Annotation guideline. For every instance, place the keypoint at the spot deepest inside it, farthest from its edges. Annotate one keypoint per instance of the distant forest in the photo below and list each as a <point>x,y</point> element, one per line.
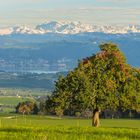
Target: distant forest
<point>29,80</point>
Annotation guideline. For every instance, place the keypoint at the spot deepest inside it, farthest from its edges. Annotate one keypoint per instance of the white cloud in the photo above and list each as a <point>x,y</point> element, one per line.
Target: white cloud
<point>36,11</point>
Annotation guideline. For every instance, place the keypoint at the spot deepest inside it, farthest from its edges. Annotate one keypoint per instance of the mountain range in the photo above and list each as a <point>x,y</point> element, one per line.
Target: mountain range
<point>68,28</point>
<point>57,46</point>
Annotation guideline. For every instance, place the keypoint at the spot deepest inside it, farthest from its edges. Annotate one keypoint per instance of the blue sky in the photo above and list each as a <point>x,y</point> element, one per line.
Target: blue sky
<point>103,12</point>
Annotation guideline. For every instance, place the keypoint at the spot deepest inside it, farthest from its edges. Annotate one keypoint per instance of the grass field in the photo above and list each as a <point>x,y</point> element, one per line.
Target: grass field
<point>8,103</point>
<point>9,97</point>
<point>13,101</point>
<point>52,128</point>
<point>19,127</point>
<point>23,92</point>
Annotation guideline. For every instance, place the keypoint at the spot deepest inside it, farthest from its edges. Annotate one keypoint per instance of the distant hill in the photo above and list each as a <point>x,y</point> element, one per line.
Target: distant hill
<point>57,46</point>
<point>29,80</point>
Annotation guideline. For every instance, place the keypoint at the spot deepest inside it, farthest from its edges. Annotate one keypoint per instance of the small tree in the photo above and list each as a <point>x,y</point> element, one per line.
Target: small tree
<point>42,108</point>
<point>24,109</point>
<point>59,111</point>
<point>27,108</point>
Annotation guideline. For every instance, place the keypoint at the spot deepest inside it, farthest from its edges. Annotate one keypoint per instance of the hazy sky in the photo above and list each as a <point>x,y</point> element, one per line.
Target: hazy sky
<point>105,12</point>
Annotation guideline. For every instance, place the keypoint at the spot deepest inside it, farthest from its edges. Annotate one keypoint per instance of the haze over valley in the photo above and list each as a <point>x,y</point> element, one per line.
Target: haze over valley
<point>55,46</point>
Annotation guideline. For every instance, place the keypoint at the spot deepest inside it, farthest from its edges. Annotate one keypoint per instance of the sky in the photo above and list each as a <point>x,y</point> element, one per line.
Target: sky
<point>97,12</point>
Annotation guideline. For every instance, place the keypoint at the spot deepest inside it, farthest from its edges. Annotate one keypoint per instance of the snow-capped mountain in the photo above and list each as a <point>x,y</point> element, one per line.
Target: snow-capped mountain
<point>69,28</point>
<point>53,46</point>
<point>65,27</point>
<point>6,31</point>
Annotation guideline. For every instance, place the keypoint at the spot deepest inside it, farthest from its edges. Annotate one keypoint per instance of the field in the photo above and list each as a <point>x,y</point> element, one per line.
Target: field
<point>22,92</point>
<point>13,101</point>
<point>33,127</point>
<point>10,97</point>
<point>53,128</point>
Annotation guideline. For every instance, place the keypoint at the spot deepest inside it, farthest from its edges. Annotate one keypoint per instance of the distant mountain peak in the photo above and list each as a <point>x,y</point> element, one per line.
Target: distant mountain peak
<point>69,27</point>
<point>64,27</point>
<point>6,31</point>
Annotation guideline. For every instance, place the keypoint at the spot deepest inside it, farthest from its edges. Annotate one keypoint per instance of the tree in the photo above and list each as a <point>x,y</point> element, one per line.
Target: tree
<point>27,107</point>
<point>102,81</point>
<point>42,108</point>
<point>23,108</point>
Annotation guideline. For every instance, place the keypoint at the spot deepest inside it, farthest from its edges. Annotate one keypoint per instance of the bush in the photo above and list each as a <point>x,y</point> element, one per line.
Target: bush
<point>87,113</point>
<point>77,114</point>
<point>59,112</point>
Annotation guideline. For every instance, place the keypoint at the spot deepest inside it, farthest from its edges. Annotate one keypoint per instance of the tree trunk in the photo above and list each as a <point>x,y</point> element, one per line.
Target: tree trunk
<point>95,118</point>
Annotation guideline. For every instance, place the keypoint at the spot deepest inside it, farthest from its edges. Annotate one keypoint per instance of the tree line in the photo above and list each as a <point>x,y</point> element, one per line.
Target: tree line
<point>103,83</point>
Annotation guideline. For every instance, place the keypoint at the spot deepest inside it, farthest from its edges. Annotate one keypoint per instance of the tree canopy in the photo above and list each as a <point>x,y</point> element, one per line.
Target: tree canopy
<point>27,107</point>
<point>103,81</point>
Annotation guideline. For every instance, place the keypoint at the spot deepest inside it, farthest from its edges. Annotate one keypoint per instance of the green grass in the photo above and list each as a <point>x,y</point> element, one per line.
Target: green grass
<point>53,128</point>
<point>23,92</point>
<point>9,99</point>
<point>13,101</point>
<point>42,121</point>
<point>9,103</point>
<point>68,133</point>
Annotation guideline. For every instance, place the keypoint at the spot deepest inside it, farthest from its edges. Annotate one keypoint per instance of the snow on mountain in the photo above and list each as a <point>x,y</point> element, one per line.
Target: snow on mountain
<point>65,27</point>
<point>69,28</point>
<point>27,30</point>
<point>6,31</point>
<point>78,27</point>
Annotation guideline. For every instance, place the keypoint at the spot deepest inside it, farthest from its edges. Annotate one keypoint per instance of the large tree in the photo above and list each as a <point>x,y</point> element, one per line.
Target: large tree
<point>102,81</point>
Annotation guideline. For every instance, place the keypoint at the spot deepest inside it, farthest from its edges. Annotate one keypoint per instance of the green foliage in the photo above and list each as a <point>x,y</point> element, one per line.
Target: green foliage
<point>77,114</point>
<point>27,108</point>
<point>42,108</point>
<point>108,47</point>
<point>59,111</point>
<point>103,81</point>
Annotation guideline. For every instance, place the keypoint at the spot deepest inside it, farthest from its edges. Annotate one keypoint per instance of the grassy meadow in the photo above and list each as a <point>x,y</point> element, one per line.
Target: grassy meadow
<point>10,97</point>
<point>23,92</point>
<point>16,127</point>
<point>13,101</point>
<point>10,102</point>
<point>36,127</point>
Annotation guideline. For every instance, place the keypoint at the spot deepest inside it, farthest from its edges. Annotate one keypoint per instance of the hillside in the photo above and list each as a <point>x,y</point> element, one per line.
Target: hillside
<point>29,80</point>
<point>55,46</point>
